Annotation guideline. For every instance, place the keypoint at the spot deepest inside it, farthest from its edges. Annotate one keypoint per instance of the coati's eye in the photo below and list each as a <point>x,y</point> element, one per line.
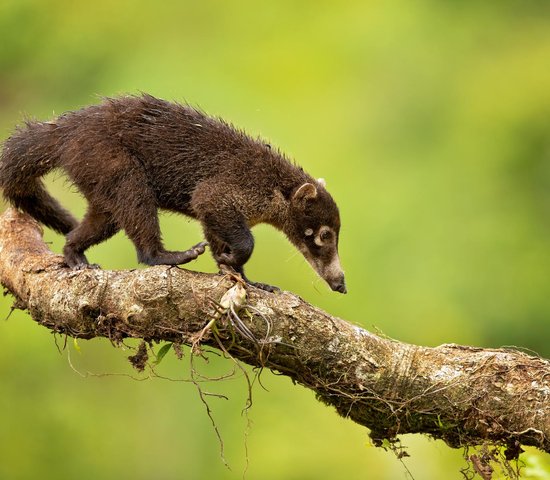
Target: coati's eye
<point>325,235</point>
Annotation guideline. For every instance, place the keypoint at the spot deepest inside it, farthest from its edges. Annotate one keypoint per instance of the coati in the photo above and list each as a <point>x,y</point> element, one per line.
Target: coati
<point>131,155</point>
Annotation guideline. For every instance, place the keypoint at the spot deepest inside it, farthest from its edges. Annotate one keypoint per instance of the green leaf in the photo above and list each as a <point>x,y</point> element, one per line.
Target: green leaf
<point>162,352</point>
<point>76,345</point>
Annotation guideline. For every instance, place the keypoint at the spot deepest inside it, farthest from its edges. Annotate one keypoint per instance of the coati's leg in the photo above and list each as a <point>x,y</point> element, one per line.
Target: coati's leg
<point>144,231</point>
<point>231,242</point>
<point>123,195</point>
<point>147,240</point>
<point>134,209</point>
<point>94,228</point>
<point>230,238</point>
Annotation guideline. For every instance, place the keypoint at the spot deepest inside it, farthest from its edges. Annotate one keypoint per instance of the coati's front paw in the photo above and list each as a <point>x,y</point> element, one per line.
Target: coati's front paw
<point>238,275</point>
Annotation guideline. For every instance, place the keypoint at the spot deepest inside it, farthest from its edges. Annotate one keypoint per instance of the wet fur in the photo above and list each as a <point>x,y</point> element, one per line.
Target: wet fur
<point>132,155</point>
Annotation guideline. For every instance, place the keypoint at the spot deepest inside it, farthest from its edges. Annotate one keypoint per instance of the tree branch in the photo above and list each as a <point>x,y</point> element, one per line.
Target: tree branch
<point>463,395</point>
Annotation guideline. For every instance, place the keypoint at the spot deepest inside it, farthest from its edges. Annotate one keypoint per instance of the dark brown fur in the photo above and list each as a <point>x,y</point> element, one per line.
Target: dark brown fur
<point>130,156</point>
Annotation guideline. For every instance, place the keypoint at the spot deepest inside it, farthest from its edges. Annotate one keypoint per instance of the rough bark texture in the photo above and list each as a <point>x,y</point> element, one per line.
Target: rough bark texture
<point>463,395</point>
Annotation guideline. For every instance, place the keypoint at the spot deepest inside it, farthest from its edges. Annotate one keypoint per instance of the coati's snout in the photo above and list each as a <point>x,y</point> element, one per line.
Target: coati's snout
<point>321,251</point>
<point>316,232</point>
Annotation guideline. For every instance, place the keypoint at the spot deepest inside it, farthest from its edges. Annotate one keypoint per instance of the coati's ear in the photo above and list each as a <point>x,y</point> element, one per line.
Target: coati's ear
<point>306,191</point>
<point>321,181</point>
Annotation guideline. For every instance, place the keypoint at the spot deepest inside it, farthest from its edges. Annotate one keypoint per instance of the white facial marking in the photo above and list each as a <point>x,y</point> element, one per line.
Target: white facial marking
<point>334,268</point>
<point>331,271</point>
<point>321,181</point>
<point>308,232</point>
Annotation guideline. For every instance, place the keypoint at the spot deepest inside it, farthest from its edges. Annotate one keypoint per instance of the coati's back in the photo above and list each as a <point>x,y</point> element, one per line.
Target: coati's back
<point>178,147</point>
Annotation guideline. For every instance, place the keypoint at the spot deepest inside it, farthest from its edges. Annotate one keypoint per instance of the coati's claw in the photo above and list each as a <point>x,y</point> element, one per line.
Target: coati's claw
<point>264,286</point>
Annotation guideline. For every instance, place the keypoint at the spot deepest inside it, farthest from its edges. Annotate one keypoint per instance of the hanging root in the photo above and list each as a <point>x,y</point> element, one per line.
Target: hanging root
<point>233,300</point>
<point>227,323</point>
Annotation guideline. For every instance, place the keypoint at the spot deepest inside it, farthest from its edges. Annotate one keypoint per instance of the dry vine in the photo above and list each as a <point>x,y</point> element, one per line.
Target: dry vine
<point>463,395</point>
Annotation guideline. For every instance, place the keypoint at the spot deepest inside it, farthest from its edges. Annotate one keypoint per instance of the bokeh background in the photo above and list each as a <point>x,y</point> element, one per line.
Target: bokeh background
<point>430,121</point>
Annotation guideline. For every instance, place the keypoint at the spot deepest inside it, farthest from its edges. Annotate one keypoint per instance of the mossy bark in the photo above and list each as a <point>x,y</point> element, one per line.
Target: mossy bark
<point>463,395</point>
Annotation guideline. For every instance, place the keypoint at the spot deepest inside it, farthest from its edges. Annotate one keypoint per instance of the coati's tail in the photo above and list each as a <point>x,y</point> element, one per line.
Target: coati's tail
<point>27,155</point>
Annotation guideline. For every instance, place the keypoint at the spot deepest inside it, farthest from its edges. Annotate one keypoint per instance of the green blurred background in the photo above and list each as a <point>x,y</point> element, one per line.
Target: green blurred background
<point>430,121</point>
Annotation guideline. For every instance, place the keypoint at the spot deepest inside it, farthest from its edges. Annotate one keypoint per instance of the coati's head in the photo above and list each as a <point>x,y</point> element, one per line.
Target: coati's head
<point>314,229</point>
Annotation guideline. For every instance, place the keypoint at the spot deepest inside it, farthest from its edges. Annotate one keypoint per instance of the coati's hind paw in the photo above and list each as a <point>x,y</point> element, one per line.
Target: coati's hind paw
<point>84,266</point>
<point>193,252</point>
<point>174,258</point>
<point>199,248</point>
<point>74,259</point>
